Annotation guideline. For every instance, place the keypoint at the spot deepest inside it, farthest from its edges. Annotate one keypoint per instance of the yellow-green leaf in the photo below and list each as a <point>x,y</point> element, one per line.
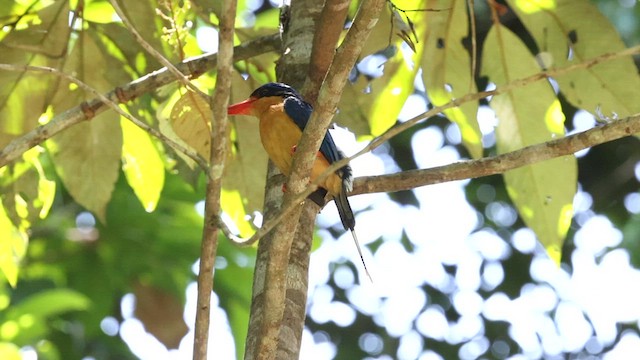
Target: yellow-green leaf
<point>46,187</point>
<point>142,165</point>
<point>99,12</point>
<point>40,39</point>
<point>447,72</point>
<point>543,192</point>
<point>87,155</point>
<point>391,92</point>
<point>13,245</point>
<point>569,32</point>
<point>190,120</point>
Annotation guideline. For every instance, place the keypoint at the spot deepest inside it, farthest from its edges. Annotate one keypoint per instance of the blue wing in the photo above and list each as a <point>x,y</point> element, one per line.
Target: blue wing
<point>300,111</point>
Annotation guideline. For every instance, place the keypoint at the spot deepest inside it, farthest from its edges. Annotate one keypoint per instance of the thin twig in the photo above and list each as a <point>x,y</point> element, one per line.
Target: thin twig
<point>182,78</point>
<point>474,45</point>
<point>212,208</point>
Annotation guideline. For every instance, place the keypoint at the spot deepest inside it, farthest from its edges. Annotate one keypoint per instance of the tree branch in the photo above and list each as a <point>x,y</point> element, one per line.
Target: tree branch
<point>209,246</point>
<point>181,77</point>
<point>193,68</point>
<point>499,164</point>
<point>328,30</point>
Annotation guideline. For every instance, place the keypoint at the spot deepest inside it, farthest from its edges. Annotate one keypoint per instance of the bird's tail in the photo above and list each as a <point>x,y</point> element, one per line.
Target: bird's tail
<point>342,202</point>
<point>345,212</point>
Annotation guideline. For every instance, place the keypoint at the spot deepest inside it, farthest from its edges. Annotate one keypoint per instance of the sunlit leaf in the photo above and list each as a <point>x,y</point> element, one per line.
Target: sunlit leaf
<point>41,40</point>
<point>391,92</point>
<point>13,245</point>
<point>354,105</point>
<point>87,155</point>
<point>542,192</point>
<point>190,120</point>
<point>28,194</point>
<point>99,12</point>
<point>447,71</point>
<point>144,15</point>
<point>46,187</point>
<point>142,165</point>
<point>569,32</point>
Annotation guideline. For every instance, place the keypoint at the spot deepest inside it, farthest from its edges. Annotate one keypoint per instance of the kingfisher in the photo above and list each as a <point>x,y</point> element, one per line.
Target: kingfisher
<point>283,115</point>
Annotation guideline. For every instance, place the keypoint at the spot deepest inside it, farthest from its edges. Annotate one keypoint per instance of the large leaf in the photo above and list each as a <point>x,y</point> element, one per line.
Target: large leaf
<point>569,32</point>
<point>38,39</point>
<point>28,194</point>
<point>543,192</point>
<point>87,155</point>
<point>447,72</point>
<point>391,92</point>
<point>244,179</point>
<point>144,16</point>
<point>191,121</point>
<point>142,165</point>
<point>13,246</point>
<point>371,107</point>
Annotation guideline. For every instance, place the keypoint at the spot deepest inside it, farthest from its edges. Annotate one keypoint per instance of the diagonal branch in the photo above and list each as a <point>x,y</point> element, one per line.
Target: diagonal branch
<point>181,77</point>
<point>499,164</point>
<point>193,67</point>
<point>108,102</point>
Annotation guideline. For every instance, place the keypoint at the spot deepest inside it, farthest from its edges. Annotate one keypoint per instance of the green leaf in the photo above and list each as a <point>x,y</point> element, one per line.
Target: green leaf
<point>190,120</point>
<point>543,192</point>
<point>28,194</point>
<point>142,165</point>
<point>49,303</point>
<point>41,40</point>
<point>371,107</point>
<point>354,106</point>
<point>13,246</point>
<point>147,22</point>
<point>447,72</point>
<point>99,11</point>
<point>87,155</point>
<point>569,32</point>
<point>45,188</point>
<point>391,92</point>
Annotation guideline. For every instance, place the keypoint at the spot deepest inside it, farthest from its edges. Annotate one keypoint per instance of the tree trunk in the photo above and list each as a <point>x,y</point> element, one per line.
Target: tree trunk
<point>298,25</point>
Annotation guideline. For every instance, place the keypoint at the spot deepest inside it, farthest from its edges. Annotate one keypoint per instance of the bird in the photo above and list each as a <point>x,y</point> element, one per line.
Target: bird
<point>283,115</point>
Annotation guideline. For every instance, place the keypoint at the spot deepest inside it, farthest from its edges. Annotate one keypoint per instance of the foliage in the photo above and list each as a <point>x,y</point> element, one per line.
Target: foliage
<point>104,209</point>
